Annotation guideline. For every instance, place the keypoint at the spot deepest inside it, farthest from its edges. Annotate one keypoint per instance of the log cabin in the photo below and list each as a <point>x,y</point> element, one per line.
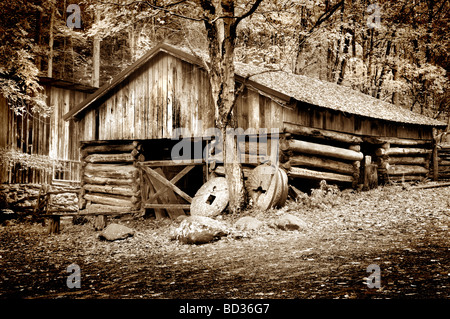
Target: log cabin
<point>321,131</point>
<point>50,136</point>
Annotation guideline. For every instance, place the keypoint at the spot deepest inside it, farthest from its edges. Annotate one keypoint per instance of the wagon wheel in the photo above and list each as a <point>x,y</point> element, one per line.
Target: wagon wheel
<point>262,186</point>
<point>211,199</point>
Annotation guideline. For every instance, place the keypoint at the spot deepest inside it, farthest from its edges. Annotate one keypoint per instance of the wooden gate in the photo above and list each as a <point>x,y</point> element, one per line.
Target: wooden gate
<point>160,193</point>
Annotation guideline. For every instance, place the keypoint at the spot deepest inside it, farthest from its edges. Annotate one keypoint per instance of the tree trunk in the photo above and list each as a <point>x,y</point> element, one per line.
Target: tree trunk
<point>221,41</point>
<point>96,56</point>
<point>50,44</point>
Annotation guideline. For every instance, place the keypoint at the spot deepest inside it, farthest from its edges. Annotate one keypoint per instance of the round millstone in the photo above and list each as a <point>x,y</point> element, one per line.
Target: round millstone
<point>211,199</point>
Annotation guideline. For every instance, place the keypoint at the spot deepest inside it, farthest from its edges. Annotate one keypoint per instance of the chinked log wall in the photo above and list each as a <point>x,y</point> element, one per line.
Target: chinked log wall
<point>402,159</point>
<point>310,153</point>
<point>110,176</point>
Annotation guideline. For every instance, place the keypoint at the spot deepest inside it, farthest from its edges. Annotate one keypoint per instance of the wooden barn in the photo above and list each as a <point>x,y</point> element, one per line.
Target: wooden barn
<point>311,130</point>
<point>51,136</point>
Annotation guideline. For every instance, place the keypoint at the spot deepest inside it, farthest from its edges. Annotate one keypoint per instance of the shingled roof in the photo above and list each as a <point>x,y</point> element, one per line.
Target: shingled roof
<point>281,84</point>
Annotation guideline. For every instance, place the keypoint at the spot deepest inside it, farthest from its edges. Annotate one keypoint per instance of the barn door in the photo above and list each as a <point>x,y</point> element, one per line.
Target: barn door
<point>161,193</point>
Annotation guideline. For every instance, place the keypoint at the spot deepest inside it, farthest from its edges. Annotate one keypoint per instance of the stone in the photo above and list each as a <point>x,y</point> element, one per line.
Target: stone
<point>248,223</point>
<point>115,232</point>
<point>199,230</point>
<point>290,222</point>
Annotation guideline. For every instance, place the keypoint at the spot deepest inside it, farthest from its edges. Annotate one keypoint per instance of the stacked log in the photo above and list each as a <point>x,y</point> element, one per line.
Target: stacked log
<point>110,177</point>
<point>403,159</point>
<point>309,153</point>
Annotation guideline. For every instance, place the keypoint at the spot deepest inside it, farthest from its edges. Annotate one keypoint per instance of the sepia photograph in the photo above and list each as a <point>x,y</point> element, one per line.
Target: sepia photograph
<point>217,158</point>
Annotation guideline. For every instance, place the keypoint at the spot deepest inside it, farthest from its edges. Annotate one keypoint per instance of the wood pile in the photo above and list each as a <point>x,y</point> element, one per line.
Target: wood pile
<point>110,176</point>
<point>403,159</point>
<point>309,153</point>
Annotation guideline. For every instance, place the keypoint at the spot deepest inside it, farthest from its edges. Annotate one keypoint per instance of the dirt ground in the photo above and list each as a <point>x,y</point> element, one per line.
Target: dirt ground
<point>403,231</point>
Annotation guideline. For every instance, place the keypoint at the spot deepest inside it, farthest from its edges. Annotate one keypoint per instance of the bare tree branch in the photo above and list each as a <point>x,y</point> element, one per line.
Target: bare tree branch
<point>248,13</point>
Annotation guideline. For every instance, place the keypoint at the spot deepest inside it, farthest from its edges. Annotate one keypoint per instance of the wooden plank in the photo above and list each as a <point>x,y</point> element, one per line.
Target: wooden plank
<point>120,113</point>
<point>164,181</point>
<point>138,101</point>
<point>253,107</point>
<point>180,96</point>
<point>130,107</point>
<point>66,134</point>
<point>170,95</point>
<point>163,96</point>
<point>244,108</point>
<point>262,112</point>
<point>152,107</point>
<point>155,106</point>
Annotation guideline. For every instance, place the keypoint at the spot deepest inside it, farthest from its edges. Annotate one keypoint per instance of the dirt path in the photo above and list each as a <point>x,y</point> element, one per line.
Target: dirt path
<point>404,232</point>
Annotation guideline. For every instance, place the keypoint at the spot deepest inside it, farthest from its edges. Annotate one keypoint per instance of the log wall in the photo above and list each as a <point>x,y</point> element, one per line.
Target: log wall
<point>309,153</point>
<point>110,177</point>
<point>403,159</point>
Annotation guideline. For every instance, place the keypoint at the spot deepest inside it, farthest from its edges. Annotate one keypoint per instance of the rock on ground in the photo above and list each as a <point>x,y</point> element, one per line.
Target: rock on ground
<point>115,232</point>
<point>199,230</point>
<point>290,222</point>
<point>248,223</point>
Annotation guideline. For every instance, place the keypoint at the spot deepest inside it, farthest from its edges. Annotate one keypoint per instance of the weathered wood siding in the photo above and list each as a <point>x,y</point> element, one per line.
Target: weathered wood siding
<point>35,134</point>
<point>165,94</point>
<point>259,111</point>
